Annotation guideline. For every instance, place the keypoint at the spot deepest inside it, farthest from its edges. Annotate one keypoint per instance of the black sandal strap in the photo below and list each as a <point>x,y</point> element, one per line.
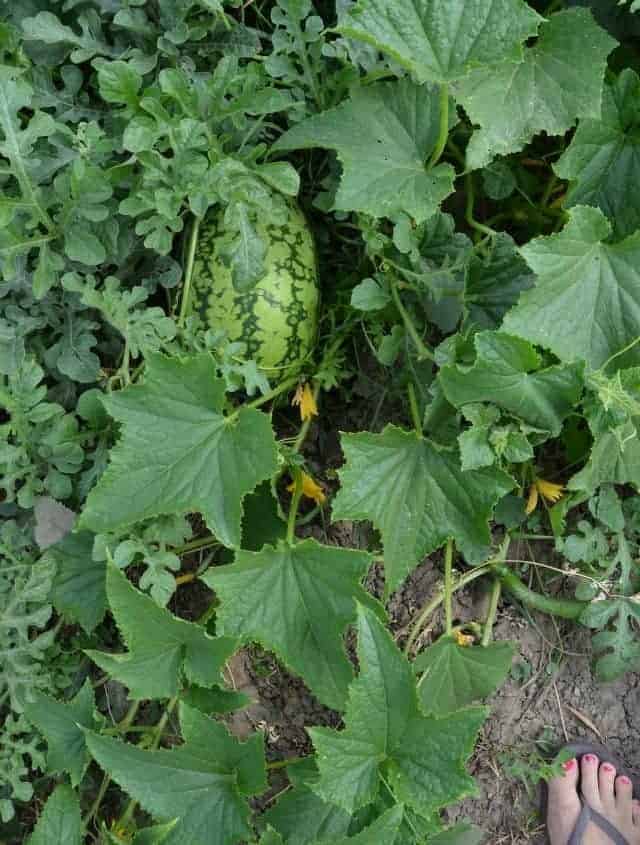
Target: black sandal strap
<point>588,814</point>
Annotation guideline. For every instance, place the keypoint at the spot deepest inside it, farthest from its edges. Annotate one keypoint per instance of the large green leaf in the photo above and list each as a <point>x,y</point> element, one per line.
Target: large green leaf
<point>383,135</point>
<point>545,89</point>
<point>79,588</point>
<point>204,783</point>
<point>384,829</point>
<point>311,590</point>
<point>440,41</point>
<point>61,724</point>
<point>507,372</point>
<point>416,494</point>
<point>495,279</point>
<point>162,648</point>
<point>603,159</point>
<point>60,822</point>
<point>302,817</point>
<point>586,303</point>
<point>387,736</point>
<point>454,675</point>
<point>179,452</point>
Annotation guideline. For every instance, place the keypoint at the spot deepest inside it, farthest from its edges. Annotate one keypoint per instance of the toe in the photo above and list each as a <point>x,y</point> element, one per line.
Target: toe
<point>606,780</point>
<point>564,804</point>
<point>624,794</point>
<point>635,809</point>
<point>567,782</point>
<point>589,780</point>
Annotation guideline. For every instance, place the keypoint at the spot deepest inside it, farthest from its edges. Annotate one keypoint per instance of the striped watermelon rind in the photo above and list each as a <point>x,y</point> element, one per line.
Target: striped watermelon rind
<point>277,318</point>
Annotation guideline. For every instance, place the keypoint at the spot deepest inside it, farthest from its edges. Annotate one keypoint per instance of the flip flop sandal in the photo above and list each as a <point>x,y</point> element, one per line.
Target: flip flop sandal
<point>577,750</point>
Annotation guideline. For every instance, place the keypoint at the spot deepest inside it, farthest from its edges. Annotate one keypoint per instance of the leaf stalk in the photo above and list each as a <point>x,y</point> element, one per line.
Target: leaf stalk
<point>186,285</point>
<point>423,350</point>
<point>443,133</point>
<point>448,587</point>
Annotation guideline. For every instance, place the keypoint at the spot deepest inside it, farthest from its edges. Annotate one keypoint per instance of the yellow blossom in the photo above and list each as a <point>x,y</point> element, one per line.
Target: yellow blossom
<point>310,488</point>
<point>551,492</point>
<point>463,640</point>
<point>547,489</point>
<point>306,400</point>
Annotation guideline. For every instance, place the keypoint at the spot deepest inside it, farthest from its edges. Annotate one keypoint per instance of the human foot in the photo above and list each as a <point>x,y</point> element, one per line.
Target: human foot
<point>609,796</point>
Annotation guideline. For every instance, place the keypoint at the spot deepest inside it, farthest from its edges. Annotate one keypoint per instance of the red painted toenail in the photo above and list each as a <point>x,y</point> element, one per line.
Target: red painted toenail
<point>624,780</point>
<point>568,765</point>
<point>607,767</point>
<point>590,758</point>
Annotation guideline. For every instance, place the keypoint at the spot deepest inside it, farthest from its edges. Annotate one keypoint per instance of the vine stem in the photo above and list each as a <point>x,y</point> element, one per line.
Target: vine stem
<point>468,216</point>
<point>20,171</point>
<point>293,509</point>
<point>266,397</point>
<point>317,387</point>
<point>437,600</point>
<point>415,411</point>
<point>309,73</point>
<point>186,286</point>
<point>282,764</point>
<point>618,353</point>
<point>548,191</point>
<point>126,817</point>
<point>304,428</point>
<point>195,545</point>
<point>423,349</point>
<point>443,134</point>
<point>106,780</point>
<point>448,587</point>
<point>487,633</point>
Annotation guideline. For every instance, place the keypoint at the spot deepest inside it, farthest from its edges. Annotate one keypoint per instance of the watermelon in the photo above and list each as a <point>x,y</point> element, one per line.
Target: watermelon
<point>277,318</point>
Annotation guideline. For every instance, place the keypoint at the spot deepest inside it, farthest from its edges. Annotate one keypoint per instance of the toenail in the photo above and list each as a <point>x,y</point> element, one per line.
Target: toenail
<point>607,767</point>
<point>624,780</point>
<point>590,758</point>
<point>568,765</point>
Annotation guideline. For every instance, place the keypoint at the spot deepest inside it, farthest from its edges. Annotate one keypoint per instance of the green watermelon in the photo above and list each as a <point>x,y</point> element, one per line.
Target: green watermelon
<point>277,318</point>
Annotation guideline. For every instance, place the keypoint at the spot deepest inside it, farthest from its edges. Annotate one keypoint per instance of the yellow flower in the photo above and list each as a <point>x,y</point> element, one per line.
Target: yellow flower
<point>547,489</point>
<point>463,640</point>
<point>552,492</point>
<point>310,489</point>
<point>306,400</point>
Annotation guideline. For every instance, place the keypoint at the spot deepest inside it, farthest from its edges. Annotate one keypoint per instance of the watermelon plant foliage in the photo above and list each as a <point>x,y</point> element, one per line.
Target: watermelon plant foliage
<point>299,300</point>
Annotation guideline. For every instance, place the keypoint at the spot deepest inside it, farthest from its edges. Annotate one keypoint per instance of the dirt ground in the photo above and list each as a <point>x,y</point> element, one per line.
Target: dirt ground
<point>560,700</point>
<point>551,697</point>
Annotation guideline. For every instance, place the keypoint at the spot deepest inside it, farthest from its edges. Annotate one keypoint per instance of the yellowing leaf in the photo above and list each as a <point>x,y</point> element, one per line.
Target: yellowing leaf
<point>310,488</point>
<point>306,400</point>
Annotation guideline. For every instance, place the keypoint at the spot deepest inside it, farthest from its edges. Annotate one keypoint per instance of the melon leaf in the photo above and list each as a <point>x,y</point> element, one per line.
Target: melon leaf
<point>417,495</point>
<point>179,453</point>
